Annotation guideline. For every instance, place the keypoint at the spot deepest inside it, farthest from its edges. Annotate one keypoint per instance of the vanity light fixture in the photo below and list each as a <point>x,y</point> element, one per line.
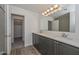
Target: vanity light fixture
<point>51,10</point>
<point>48,14</point>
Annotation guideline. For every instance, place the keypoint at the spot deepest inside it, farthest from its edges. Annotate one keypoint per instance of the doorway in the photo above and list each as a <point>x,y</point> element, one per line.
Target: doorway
<point>17,31</point>
<point>49,25</point>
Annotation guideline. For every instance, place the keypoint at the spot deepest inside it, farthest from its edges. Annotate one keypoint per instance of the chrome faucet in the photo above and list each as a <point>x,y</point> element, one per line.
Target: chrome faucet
<point>64,35</point>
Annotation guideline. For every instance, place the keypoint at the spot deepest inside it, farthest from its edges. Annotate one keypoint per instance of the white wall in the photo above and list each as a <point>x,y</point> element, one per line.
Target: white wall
<point>72,21</point>
<point>72,18</point>
<point>44,22</point>
<point>77,22</point>
<point>30,22</point>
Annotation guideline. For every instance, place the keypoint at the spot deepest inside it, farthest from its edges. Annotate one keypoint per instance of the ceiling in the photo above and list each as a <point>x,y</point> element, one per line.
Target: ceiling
<point>34,7</point>
<point>39,8</point>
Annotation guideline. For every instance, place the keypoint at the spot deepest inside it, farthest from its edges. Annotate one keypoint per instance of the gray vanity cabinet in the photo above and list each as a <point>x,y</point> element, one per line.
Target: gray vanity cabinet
<point>47,46</point>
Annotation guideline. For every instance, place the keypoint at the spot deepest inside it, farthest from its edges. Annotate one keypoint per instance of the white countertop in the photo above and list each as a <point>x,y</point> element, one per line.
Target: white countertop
<point>61,39</point>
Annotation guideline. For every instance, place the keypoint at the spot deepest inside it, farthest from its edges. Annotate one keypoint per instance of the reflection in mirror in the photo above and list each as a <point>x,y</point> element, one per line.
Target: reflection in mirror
<point>61,23</point>
<point>63,20</point>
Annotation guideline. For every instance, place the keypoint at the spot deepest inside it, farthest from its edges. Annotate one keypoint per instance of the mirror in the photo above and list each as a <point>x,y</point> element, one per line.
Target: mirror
<point>63,20</point>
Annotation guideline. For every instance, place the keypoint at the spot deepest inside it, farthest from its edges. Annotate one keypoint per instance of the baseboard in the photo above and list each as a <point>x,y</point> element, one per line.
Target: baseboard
<point>28,45</point>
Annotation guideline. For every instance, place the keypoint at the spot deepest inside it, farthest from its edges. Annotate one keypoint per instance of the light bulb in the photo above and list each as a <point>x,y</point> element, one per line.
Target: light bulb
<point>48,10</point>
<point>51,8</point>
<point>55,6</point>
<point>43,14</point>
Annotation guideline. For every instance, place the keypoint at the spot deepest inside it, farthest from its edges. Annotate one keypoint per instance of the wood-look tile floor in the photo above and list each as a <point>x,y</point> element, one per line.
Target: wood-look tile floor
<point>30,50</point>
<point>18,43</point>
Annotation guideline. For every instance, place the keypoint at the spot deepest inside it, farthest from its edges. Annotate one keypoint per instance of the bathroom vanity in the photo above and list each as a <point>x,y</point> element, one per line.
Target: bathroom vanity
<point>48,45</point>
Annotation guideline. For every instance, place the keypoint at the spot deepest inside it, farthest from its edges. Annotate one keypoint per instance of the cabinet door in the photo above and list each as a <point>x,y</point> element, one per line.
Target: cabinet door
<point>36,41</point>
<point>51,49</point>
<point>43,44</point>
<point>69,50</point>
<point>65,49</point>
<point>57,51</point>
<point>46,45</point>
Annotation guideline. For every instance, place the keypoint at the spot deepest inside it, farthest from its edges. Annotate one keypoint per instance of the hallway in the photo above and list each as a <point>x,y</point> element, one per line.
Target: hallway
<point>18,43</point>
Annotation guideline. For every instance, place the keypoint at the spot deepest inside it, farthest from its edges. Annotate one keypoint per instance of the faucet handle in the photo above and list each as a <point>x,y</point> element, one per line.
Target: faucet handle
<point>65,35</point>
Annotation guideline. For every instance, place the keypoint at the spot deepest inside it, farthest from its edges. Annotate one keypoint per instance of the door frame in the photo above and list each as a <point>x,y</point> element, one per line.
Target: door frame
<point>8,33</point>
<point>12,27</point>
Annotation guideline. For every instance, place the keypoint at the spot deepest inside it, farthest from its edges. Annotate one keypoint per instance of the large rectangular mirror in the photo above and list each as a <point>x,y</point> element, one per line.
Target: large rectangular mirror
<point>63,20</point>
